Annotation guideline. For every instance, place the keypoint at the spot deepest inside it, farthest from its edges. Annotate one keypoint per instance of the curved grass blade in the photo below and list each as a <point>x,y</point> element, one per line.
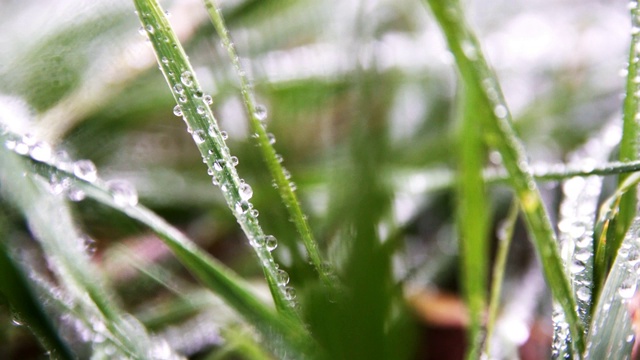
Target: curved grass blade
<point>476,74</point>
<point>257,115</point>
<point>15,289</point>
<point>472,218</point>
<point>614,330</point>
<point>50,221</point>
<point>212,274</point>
<point>193,106</point>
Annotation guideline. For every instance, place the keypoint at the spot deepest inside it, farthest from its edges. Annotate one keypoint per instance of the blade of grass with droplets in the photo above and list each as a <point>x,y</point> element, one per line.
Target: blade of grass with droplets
<point>628,145</point>
<point>505,234</point>
<point>476,74</point>
<point>193,107</point>
<point>15,289</point>
<point>50,221</point>
<point>608,211</point>
<point>614,330</point>
<point>265,143</point>
<point>214,275</point>
<point>472,218</point>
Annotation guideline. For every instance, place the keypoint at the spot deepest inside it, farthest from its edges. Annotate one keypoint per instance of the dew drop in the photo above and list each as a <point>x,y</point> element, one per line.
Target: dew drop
<point>271,138</point>
<point>583,293</point>
<point>242,207</point>
<point>224,135</point>
<point>500,111</point>
<point>41,151</point>
<point>178,88</point>
<point>577,266</point>
<point>259,242</point>
<point>255,213</point>
<point>182,99</point>
<point>150,29</point>
<point>75,194</point>
<point>186,78</point>
<point>282,277</point>
<point>218,165</point>
<point>200,110</point>
<point>207,99</point>
<point>234,161</point>
<point>245,191</point>
<point>123,192</point>
<point>583,255</point>
<point>198,136</point>
<point>177,110</point>
<point>279,158</point>
<point>627,288</point>
<point>85,170</point>
<point>164,60</point>
<point>260,113</point>
<point>289,293</point>
<point>271,242</point>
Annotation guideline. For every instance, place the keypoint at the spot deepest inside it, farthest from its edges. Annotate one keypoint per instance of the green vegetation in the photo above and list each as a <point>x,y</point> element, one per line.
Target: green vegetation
<point>379,218</point>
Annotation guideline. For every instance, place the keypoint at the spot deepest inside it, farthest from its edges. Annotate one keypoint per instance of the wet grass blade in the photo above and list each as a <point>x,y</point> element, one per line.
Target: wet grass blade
<point>193,107</point>
<point>257,116</point>
<point>50,221</point>
<point>505,235</point>
<point>614,331</point>
<point>473,218</point>
<point>499,132</point>
<point>212,274</point>
<point>15,289</point>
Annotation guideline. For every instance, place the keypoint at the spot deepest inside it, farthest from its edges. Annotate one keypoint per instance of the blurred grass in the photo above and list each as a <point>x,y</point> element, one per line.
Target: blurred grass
<point>360,97</point>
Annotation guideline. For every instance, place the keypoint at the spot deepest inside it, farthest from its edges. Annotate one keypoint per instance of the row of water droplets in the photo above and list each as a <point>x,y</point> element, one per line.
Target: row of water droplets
<point>61,182</point>
<point>193,106</point>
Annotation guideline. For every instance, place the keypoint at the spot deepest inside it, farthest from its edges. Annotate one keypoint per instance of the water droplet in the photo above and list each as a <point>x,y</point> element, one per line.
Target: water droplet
<point>583,293</point>
<point>500,111</point>
<point>469,50</point>
<point>10,144</point>
<point>261,112</point>
<point>198,136</point>
<point>207,99</point>
<point>577,266</point>
<point>178,88</point>
<point>89,245</point>
<point>279,158</point>
<point>633,256</point>
<point>123,192</point>
<point>75,194</point>
<point>187,78</point>
<point>218,165</point>
<point>141,31</point>
<point>234,161</point>
<point>245,191</point>
<point>41,151</point>
<point>282,277</point>
<point>85,170</point>
<point>259,242</point>
<point>255,213</point>
<point>271,138</point>
<point>286,173</point>
<point>224,135</point>
<point>289,293</point>
<point>271,242</point>
<point>242,207</point>
<point>177,110</point>
<point>182,98</point>
<point>627,288</point>
<point>200,110</point>
<point>583,255</point>
<point>164,60</point>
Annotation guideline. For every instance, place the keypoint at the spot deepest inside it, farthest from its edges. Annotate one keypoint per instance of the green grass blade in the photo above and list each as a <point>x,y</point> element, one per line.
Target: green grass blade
<point>500,134</point>
<point>214,275</point>
<point>473,218</point>
<point>629,142</point>
<point>193,106</point>
<point>614,328</point>
<point>264,140</point>
<point>15,289</point>
<point>50,221</point>
<point>505,235</point>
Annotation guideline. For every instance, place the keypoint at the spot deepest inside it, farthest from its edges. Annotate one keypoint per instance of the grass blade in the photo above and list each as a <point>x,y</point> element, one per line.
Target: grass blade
<point>614,329</point>
<point>476,74</point>
<point>15,289</point>
<point>193,106</point>
<point>505,235</point>
<point>473,218</point>
<point>206,269</point>
<point>257,116</point>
